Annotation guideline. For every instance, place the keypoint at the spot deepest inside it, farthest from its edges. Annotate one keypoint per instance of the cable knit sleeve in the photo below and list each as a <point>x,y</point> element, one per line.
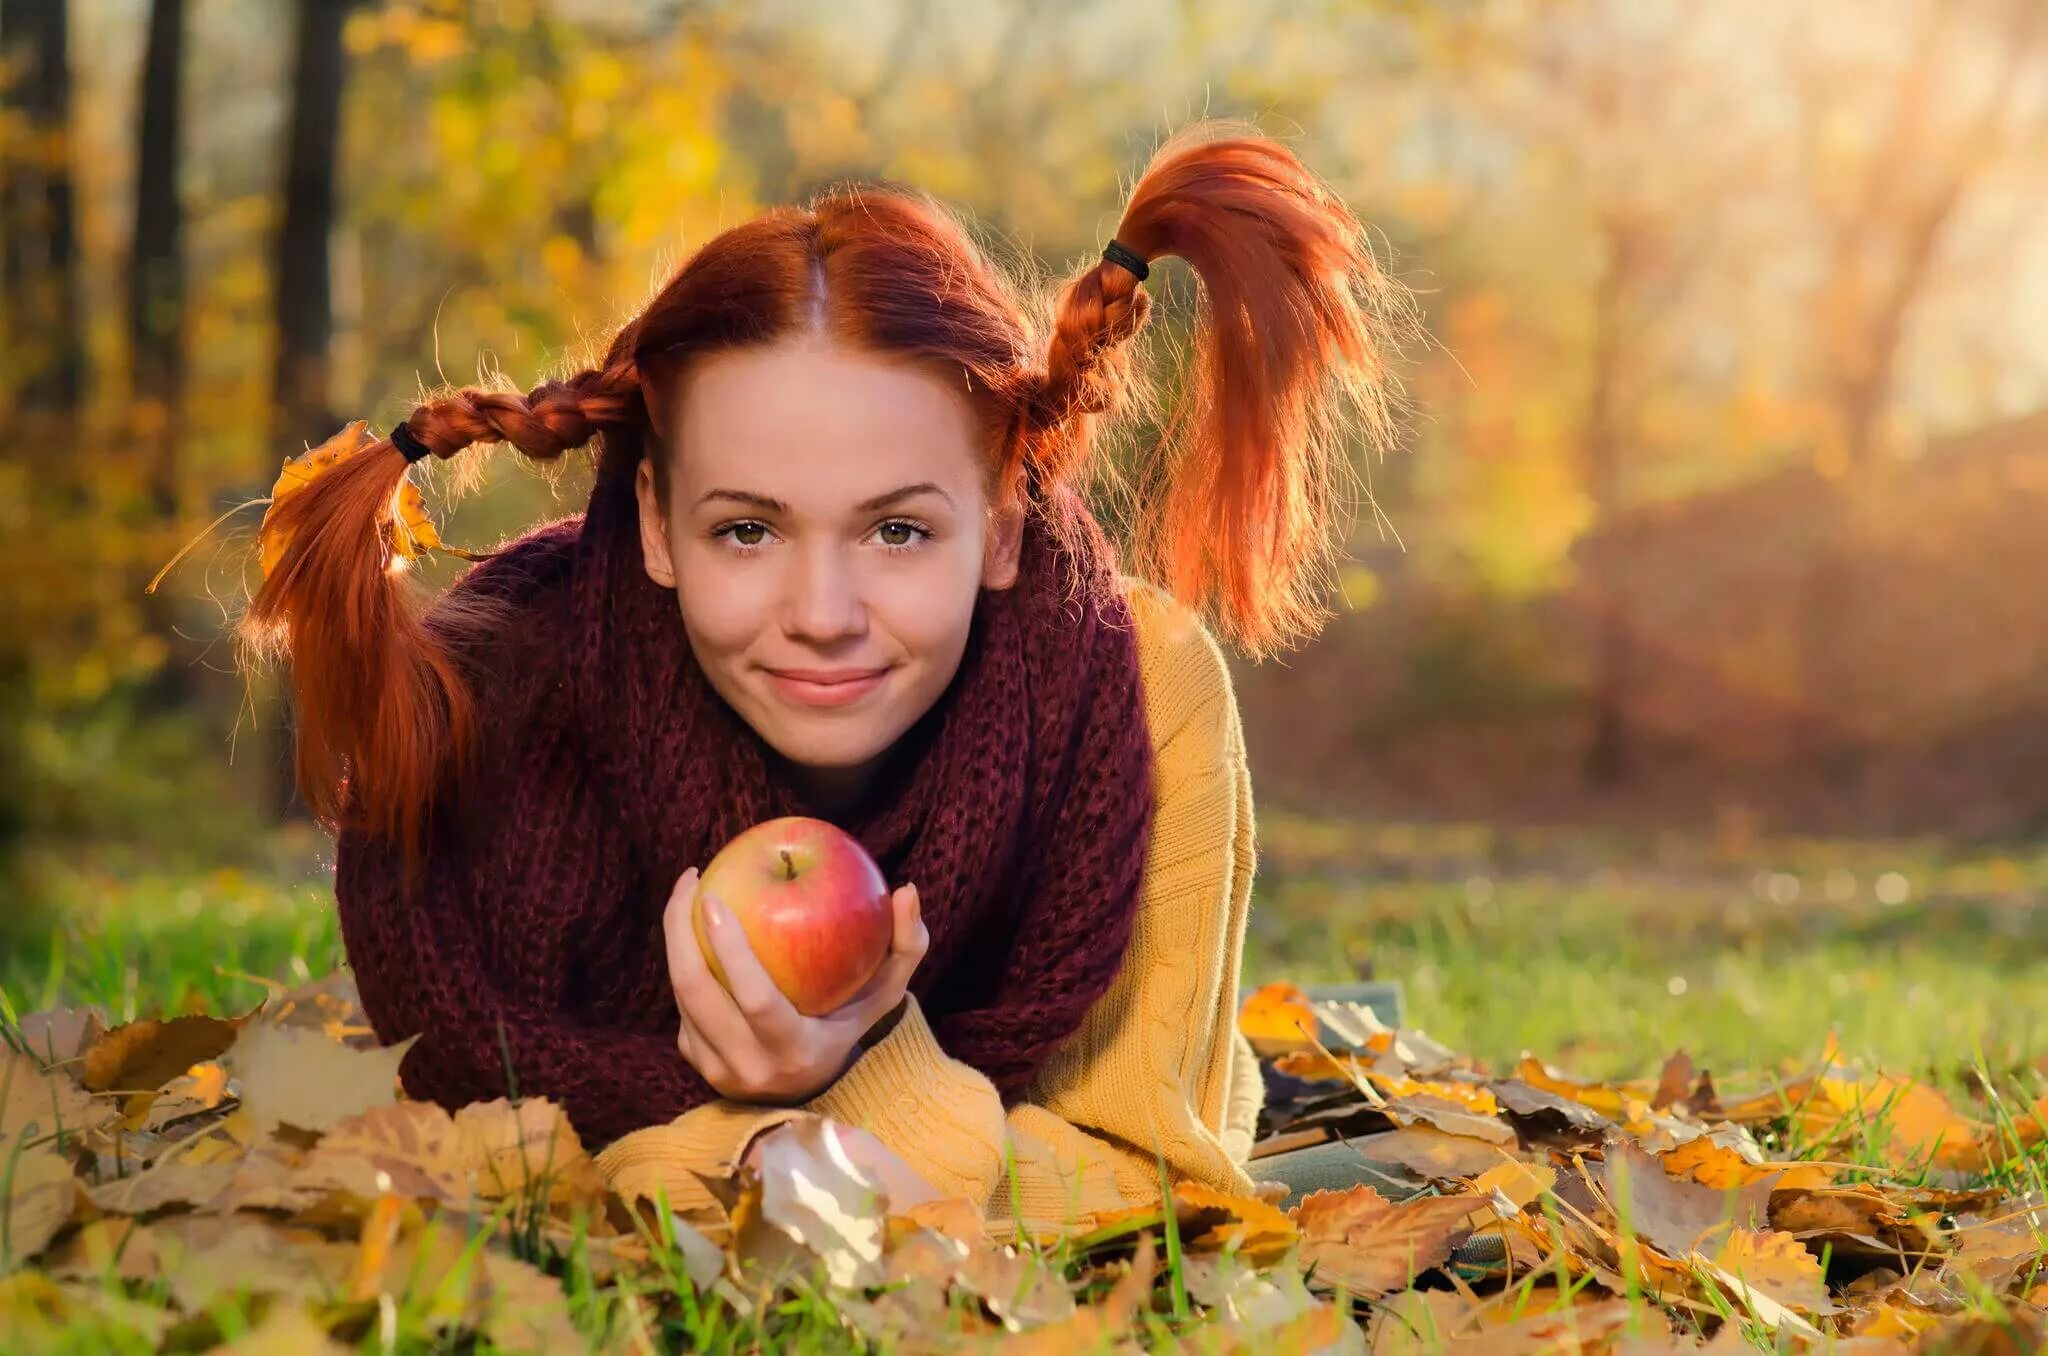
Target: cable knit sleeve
<point>1157,1067</point>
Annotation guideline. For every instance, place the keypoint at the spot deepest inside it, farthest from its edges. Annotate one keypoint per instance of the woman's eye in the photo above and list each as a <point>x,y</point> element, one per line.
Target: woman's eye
<point>747,534</point>
<point>898,534</point>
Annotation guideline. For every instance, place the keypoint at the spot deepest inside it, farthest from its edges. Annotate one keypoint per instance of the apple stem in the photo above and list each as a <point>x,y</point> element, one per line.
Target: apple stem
<point>788,866</point>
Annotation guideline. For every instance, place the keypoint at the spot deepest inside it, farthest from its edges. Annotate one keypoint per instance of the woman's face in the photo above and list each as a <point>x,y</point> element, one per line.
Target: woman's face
<point>827,534</point>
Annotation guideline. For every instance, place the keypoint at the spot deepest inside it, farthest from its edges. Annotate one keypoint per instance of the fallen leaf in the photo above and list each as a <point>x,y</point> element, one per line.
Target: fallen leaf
<point>1573,1328</point>
<point>40,1194</point>
<point>1716,1165</point>
<point>511,1150</point>
<point>143,1056</point>
<point>109,1246</point>
<point>297,1077</point>
<point>1093,1329</point>
<point>1773,1264</point>
<point>1277,1018</point>
<point>1020,1288</point>
<point>1668,1213</point>
<point>1429,1151</point>
<point>1255,1229</point>
<point>815,1194</point>
<point>1601,1097</point>
<point>61,1035</point>
<point>285,1330</point>
<point>1358,1241</point>
<point>1673,1083</point>
<point>1543,1113</point>
<point>162,1185</point>
<point>39,1104</point>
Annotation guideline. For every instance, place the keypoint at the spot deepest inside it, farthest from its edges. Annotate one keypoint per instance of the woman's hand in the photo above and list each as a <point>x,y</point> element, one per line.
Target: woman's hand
<point>751,1044</point>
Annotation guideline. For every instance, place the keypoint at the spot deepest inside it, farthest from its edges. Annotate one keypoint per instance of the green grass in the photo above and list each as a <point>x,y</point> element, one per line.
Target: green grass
<point>1606,955</point>
<point>1600,952</point>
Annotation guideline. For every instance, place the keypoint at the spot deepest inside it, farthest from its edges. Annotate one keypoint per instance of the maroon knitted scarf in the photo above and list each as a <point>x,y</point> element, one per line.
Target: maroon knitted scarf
<point>531,961</point>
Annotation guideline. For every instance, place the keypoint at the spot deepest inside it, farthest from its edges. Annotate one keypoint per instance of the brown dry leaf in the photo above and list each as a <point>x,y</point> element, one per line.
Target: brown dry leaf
<point>1429,1151</point>
<point>1256,1230</point>
<point>1589,1327</point>
<point>1320,1329</point>
<point>1540,1113</point>
<point>206,1257</point>
<point>1919,1123</point>
<point>1605,1098</point>
<point>39,1104</point>
<point>1097,1328</point>
<point>415,1145</point>
<point>1359,1241</point>
<point>1674,1082</point>
<point>1668,1213</point>
<point>1713,1164</point>
<point>1318,1066</point>
<point>41,1194</point>
<point>954,1216</point>
<point>143,1056</point>
<point>298,1077</point>
<point>1450,1117</point>
<point>1854,1222</point>
<point>1419,1322</point>
<point>510,1149</point>
<point>286,1330</point>
<point>1019,1288</point>
<point>109,1246</point>
<point>173,1181</point>
<point>526,1310</point>
<point>61,1035</point>
<point>1277,1018</point>
<point>1774,1264</point>
<point>1476,1098</point>
<point>1516,1183</point>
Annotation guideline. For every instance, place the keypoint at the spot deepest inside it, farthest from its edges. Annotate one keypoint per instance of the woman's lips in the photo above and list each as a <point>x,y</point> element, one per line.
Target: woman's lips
<point>826,687</point>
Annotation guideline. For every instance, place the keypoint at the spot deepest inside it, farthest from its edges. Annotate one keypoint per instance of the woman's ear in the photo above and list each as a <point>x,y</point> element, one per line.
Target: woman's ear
<point>654,545</point>
<point>1005,540</point>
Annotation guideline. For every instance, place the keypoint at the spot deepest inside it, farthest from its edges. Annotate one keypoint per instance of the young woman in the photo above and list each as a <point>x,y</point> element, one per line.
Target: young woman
<point>837,562</point>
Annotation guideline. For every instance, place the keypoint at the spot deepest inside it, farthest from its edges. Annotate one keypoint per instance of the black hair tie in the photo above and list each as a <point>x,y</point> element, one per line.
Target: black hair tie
<point>1119,253</point>
<point>408,442</point>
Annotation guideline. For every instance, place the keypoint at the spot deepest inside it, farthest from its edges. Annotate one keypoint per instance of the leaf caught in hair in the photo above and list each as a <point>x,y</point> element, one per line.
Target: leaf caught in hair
<point>297,474</point>
<point>413,535</point>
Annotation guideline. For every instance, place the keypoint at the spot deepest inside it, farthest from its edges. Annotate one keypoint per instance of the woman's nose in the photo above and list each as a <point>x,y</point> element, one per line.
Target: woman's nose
<point>825,601</point>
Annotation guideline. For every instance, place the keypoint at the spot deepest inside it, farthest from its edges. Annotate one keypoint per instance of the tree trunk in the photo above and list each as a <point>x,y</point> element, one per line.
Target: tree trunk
<point>39,258</point>
<point>305,312</point>
<point>156,320</point>
<point>42,369</point>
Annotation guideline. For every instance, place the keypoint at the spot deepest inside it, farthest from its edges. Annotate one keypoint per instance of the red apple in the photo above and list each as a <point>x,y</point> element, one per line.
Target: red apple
<point>812,903</point>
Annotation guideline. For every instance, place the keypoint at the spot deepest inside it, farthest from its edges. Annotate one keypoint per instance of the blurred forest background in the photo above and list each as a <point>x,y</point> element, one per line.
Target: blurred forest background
<point>1723,512</point>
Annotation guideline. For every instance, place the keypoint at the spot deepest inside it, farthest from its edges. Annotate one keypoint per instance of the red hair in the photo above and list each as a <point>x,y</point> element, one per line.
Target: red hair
<point>1295,326</point>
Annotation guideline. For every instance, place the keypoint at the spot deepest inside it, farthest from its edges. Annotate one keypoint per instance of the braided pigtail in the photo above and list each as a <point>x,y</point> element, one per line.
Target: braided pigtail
<point>383,708</point>
<point>1295,327</point>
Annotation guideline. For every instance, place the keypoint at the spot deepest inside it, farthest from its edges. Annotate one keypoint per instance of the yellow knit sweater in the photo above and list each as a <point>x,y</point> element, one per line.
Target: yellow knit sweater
<point>1157,1068</point>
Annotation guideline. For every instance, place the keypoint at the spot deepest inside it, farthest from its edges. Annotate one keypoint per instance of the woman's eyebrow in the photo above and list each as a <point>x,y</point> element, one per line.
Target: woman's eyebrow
<point>748,497</point>
<point>882,501</point>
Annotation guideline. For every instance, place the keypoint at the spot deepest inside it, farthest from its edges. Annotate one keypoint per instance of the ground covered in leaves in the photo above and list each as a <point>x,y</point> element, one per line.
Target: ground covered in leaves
<point>257,1184</point>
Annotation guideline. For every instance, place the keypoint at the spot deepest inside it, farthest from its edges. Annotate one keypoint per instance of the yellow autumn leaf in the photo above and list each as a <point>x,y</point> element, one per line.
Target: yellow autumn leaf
<point>413,534</point>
